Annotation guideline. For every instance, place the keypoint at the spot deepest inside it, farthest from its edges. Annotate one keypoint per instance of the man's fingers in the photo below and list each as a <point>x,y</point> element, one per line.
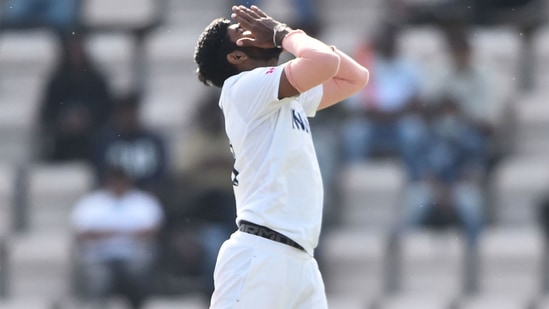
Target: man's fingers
<point>239,11</point>
<point>246,13</point>
<point>252,13</point>
<point>258,11</point>
<point>244,20</point>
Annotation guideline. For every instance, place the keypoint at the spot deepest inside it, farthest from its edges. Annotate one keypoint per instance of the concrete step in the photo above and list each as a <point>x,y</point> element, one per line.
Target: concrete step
<point>432,262</point>
<point>355,262</point>
<point>371,193</point>
<point>7,187</point>
<point>39,265</point>
<point>416,301</point>
<point>510,261</point>
<point>516,188</point>
<point>500,301</point>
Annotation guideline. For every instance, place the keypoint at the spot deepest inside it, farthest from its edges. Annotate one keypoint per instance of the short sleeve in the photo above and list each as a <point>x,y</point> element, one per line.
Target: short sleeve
<point>253,93</point>
<point>151,209</point>
<point>310,100</point>
<point>82,215</point>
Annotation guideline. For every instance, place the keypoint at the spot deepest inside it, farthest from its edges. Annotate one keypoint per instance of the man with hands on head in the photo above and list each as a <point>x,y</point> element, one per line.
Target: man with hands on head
<point>269,262</point>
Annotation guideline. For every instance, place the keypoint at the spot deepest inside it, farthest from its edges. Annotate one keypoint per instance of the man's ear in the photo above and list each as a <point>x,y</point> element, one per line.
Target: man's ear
<point>237,57</point>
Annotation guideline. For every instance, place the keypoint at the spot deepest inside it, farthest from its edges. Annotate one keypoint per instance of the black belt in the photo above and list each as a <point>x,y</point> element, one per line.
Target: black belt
<point>265,232</point>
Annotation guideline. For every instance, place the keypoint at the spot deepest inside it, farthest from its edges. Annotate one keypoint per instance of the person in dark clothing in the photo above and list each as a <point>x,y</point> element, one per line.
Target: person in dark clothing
<point>76,103</point>
<point>127,143</point>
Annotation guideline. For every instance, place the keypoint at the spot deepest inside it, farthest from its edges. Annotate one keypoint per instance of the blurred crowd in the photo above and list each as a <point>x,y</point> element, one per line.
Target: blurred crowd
<point>152,215</point>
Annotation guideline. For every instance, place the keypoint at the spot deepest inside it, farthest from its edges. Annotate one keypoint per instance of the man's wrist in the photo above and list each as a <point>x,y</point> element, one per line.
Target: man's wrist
<point>279,33</point>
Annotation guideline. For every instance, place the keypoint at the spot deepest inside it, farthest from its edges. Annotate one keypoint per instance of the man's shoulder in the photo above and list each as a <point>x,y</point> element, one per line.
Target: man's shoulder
<point>252,75</point>
<point>92,200</point>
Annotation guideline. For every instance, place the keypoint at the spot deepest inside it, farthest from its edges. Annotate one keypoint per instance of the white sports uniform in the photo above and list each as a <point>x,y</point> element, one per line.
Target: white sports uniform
<point>277,184</point>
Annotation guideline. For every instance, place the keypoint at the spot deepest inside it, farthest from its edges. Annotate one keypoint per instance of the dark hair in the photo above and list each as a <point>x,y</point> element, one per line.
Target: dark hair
<point>211,54</point>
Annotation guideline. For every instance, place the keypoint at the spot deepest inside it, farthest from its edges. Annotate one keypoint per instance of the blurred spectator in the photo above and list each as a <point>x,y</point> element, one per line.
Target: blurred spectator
<point>307,17</point>
<point>325,128</point>
<point>521,13</point>
<point>60,15</point>
<point>202,208</point>
<point>76,104</point>
<point>468,86</point>
<point>458,151</point>
<point>384,117</point>
<point>431,12</point>
<point>130,145</point>
<point>525,16</point>
<point>116,230</point>
<point>543,223</point>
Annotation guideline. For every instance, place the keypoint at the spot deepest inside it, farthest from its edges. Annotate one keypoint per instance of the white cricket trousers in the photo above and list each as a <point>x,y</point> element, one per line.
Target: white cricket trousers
<point>253,272</point>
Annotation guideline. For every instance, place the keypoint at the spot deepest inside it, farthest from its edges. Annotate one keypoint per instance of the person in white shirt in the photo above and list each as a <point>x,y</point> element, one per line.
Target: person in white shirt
<point>116,228</point>
<point>269,262</point>
<point>386,117</point>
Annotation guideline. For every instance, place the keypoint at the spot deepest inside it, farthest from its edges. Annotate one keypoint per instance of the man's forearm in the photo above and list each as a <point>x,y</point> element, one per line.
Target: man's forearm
<point>350,78</point>
<point>315,62</point>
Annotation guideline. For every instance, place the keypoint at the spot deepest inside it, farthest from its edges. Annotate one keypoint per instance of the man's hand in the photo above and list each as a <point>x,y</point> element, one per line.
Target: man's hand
<point>258,23</point>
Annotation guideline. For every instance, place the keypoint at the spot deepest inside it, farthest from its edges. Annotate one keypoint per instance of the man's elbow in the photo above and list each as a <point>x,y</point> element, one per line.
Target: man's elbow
<point>330,63</point>
<point>360,80</point>
<point>363,77</point>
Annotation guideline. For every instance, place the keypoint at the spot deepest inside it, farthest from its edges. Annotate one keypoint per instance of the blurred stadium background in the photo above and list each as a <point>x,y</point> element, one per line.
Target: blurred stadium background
<point>148,45</point>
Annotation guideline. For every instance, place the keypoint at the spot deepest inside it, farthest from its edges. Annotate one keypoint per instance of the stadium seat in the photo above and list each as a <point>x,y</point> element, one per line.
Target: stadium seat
<point>354,263</point>
<point>40,259</point>
<point>116,13</point>
<point>171,49</point>
<point>432,262</point>
<point>499,301</point>
<point>371,193</point>
<point>7,187</point>
<point>416,301</point>
<point>39,266</point>
<point>532,117</point>
<point>498,50</point>
<point>114,55</point>
<point>541,54</point>
<point>194,14</point>
<point>510,262</point>
<point>53,191</point>
<point>425,45</point>
<point>19,56</point>
<point>171,109</point>
<point>515,189</point>
<point>346,302</point>
<point>173,89</point>
<point>21,84</point>
<point>346,25</point>
<point>498,47</point>
<point>16,127</point>
<point>13,303</point>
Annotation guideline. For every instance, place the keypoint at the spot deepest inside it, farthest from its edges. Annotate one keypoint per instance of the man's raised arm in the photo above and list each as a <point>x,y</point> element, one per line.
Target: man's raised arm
<point>349,79</point>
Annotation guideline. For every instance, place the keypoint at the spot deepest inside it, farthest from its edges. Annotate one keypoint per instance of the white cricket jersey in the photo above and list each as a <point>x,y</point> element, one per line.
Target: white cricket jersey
<point>276,177</point>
